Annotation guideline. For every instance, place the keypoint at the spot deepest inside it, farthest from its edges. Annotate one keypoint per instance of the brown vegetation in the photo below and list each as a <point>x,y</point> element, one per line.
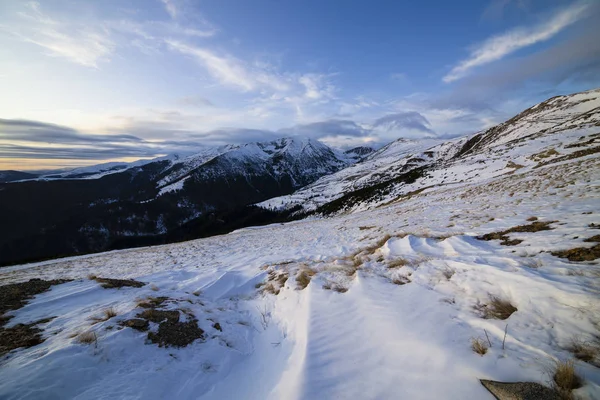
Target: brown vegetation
<point>497,308</point>
<point>479,346</point>
<point>506,241</point>
<point>108,283</point>
<point>304,277</point>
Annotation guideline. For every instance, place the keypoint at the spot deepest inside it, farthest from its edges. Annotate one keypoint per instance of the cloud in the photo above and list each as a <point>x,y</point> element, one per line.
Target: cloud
<point>330,128</point>
<point>170,8</point>
<point>79,43</point>
<point>496,9</point>
<point>195,101</point>
<point>41,132</point>
<point>573,61</point>
<point>40,140</point>
<point>229,70</point>
<point>497,47</point>
<point>402,122</point>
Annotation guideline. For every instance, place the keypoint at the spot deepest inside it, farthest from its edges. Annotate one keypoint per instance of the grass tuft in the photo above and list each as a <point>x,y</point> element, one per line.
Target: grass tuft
<point>565,377</point>
<point>497,308</point>
<point>583,351</point>
<point>87,337</point>
<point>479,346</point>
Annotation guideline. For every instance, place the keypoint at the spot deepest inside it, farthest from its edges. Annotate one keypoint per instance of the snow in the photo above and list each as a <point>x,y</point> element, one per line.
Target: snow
<point>393,304</point>
<point>178,185</point>
<point>377,340</point>
<point>555,124</point>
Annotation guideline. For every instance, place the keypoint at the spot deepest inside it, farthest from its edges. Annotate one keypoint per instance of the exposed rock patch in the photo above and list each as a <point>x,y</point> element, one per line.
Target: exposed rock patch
<point>519,390</point>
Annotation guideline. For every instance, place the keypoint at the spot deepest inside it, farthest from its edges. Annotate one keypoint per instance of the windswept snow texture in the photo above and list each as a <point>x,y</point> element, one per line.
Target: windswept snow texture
<point>379,302</point>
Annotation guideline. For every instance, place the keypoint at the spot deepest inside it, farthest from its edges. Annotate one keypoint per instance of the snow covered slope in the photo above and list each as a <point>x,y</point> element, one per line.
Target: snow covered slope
<point>299,160</point>
<point>548,131</point>
<point>495,241</point>
<point>379,304</point>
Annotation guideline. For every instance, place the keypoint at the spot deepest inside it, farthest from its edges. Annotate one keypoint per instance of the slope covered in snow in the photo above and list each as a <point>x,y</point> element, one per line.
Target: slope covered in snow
<point>380,303</point>
<point>544,132</point>
<point>393,298</point>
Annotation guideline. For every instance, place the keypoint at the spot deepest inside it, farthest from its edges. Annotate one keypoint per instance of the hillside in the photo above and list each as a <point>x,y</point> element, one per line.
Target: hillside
<point>159,201</point>
<point>382,300</point>
<point>549,132</point>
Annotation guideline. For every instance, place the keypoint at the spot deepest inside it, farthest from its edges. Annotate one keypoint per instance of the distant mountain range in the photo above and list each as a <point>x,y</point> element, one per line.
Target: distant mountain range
<point>118,204</point>
<point>220,189</point>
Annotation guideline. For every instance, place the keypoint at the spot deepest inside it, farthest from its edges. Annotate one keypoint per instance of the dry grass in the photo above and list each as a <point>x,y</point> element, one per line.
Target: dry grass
<point>448,273</point>
<point>110,313</point>
<point>372,248</point>
<point>87,338</point>
<point>479,346</point>
<point>270,288</point>
<point>400,281</point>
<point>335,287</point>
<point>497,308</point>
<point>304,277</point>
<point>106,315</point>
<point>397,263</point>
<point>584,351</point>
<point>151,302</point>
<point>565,377</point>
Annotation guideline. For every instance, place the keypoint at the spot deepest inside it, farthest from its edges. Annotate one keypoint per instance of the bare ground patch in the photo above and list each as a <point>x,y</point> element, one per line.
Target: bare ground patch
<point>535,226</point>
<point>108,283</point>
<point>16,295</point>
<point>21,335</point>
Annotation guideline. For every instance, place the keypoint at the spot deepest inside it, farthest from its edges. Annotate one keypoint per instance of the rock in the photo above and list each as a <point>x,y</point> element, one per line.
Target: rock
<point>519,390</point>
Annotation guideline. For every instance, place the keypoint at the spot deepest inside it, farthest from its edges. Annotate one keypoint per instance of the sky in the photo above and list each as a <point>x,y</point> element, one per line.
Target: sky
<point>85,82</point>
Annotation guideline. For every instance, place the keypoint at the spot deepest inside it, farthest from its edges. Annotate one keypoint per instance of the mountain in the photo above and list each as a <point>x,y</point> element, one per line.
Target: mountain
<point>11,176</point>
<point>172,198</point>
<point>558,129</point>
<point>482,273</point>
<point>212,192</point>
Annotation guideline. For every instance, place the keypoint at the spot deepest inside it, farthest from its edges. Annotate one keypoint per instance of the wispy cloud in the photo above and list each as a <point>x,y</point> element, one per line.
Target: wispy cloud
<point>497,47</point>
<point>84,45</point>
<point>228,70</point>
<point>496,9</point>
<point>171,8</point>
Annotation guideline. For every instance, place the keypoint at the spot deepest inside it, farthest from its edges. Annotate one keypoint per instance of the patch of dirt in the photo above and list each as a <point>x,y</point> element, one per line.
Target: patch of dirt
<point>576,154</point>
<point>593,239</point>
<point>176,334</point>
<point>152,302</point>
<point>580,253</point>
<point>137,324</point>
<point>159,316</point>
<point>514,165</point>
<point>506,241</point>
<point>108,283</point>
<point>21,335</point>
<point>16,295</point>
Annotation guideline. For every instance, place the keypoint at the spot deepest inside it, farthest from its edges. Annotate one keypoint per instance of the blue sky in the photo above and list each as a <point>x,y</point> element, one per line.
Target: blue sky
<point>93,81</point>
